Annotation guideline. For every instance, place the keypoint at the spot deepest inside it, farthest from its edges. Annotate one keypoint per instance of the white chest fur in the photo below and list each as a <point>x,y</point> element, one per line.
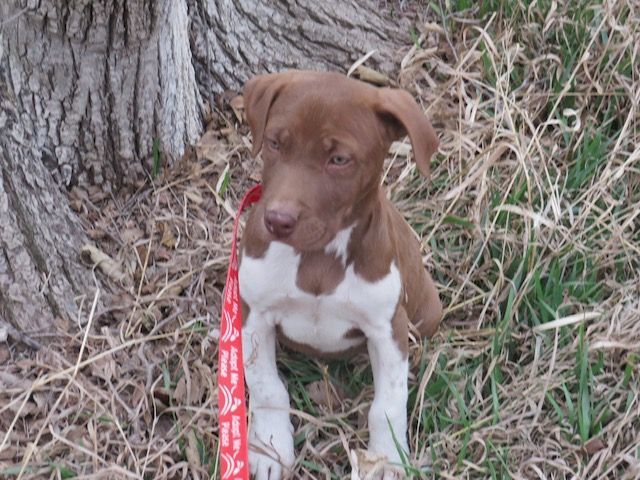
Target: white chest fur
<point>268,286</point>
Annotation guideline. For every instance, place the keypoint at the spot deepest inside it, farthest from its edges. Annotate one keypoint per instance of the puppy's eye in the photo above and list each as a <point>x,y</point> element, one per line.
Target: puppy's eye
<point>339,160</point>
<point>273,144</point>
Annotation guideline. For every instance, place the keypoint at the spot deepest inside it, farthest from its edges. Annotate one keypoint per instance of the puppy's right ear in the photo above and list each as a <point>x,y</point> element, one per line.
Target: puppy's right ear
<point>259,94</point>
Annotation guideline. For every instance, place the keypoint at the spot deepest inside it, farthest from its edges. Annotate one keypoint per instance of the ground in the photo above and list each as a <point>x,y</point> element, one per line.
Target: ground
<point>530,226</point>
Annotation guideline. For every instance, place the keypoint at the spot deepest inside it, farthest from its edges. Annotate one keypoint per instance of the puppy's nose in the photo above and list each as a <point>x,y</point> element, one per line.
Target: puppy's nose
<point>280,224</point>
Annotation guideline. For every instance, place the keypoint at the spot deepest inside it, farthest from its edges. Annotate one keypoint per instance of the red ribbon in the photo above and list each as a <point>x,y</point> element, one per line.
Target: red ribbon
<point>234,459</point>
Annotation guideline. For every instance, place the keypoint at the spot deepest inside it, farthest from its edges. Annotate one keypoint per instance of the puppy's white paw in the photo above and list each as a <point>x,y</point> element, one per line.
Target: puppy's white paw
<point>264,467</point>
<point>383,444</point>
<point>388,425</point>
<point>393,473</point>
<point>367,465</point>
<point>271,455</point>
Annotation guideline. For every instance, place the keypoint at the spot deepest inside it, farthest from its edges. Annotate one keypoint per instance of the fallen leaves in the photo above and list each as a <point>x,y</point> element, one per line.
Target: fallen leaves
<point>95,257</point>
<point>168,239</point>
<point>324,395</point>
<point>372,76</point>
<point>593,446</point>
<point>211,149</point>
<point>366,465</point>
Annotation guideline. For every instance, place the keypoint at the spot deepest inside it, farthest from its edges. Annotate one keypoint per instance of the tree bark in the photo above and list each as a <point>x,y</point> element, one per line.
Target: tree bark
<point>231,40</point>
<point>88,87</point>
<point>100,81</point>
<point>40,238</point>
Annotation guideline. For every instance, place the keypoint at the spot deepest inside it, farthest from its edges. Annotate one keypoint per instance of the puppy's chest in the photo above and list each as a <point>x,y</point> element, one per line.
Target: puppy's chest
<point>317,302</point>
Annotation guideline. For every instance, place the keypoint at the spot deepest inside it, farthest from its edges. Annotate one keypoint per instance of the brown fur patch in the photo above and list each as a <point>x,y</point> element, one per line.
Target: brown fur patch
<point>254,242</point>
<point>400,329</point>
<point>354,333</point>
<point>319,273</point>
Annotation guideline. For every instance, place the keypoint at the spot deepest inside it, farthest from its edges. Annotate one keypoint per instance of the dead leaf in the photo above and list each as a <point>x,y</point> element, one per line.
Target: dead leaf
<point>447,51</point>
<point>9,453</point>
<point>237,105</point>
<point>131,235</point>
<point>97,258</point>
<point>163,199</point>
<point>62,324</point>
<point>256,175</point>
<point>162,398</point>
<point>363,418</point>
<point>370,75</point>
<point>22,411</point>
<point>149,317</point>
<point>78,193</point>
<point>231,135</point>
<point>104,368</point>
<point>96,193</point>
<point>78,435</point>
<point>323,394</point>
<point>5,355</point>
<point>168,238</point>
<point>96,233</point>
<point>180,392</point>
<point>193,457</point>
<point>76,205</point>
<point>175,288</point>
<point>401,149</point>
<point>194,196</point>
<point>42,400</point>
<point>366,465</point>
<point>163,253</point>
<point>197,389</point>
<point>142,253</point>
<point>11,381</point>
<point>209,147</point>
<point>237,102</point>
<point>225,97</point>
<point>593,446</point>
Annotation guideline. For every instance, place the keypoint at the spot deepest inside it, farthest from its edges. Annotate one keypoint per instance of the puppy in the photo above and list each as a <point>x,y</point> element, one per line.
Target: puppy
<point>328,264</point>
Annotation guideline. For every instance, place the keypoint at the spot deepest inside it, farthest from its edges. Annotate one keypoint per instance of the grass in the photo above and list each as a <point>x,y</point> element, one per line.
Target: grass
<point>530,225</point>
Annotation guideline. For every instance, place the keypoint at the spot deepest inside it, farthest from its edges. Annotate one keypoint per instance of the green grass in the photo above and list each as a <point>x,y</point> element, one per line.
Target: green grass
<point>156,159</point>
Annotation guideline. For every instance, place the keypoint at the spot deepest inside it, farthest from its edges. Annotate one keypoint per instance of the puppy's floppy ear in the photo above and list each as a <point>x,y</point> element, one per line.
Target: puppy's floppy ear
<point>401,116</point>
<point>259,94</point>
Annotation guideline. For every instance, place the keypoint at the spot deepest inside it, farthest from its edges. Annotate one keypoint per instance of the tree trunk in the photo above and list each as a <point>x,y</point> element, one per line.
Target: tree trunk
<point>231,40</point>
<point>39,236</point>
<point>88,87</point>
<point>100,81</point>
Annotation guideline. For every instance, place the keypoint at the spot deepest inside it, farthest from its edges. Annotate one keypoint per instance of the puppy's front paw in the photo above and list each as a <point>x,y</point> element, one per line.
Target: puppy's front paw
<point>385,445</point>
<point>271,454</point>
<point>264,467</point>
<point>368,465</point>
<point>393,473</point>
<point>388,428</point>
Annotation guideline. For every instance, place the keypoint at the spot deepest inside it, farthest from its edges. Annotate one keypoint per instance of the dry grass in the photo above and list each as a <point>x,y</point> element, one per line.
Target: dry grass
<point>530,225</point>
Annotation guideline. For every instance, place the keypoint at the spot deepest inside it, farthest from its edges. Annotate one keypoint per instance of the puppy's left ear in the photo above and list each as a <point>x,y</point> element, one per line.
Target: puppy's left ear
<point>401,116</point>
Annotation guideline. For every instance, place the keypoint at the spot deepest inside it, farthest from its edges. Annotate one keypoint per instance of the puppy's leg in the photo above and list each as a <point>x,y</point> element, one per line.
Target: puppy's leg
<point>390,366</point>
<point>271,453</point>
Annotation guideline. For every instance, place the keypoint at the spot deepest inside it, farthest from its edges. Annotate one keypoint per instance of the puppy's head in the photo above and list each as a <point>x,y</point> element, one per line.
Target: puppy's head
<point>323,139</point>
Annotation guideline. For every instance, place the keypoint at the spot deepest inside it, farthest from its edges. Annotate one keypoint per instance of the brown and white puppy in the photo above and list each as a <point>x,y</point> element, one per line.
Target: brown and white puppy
<point>328,264</point>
